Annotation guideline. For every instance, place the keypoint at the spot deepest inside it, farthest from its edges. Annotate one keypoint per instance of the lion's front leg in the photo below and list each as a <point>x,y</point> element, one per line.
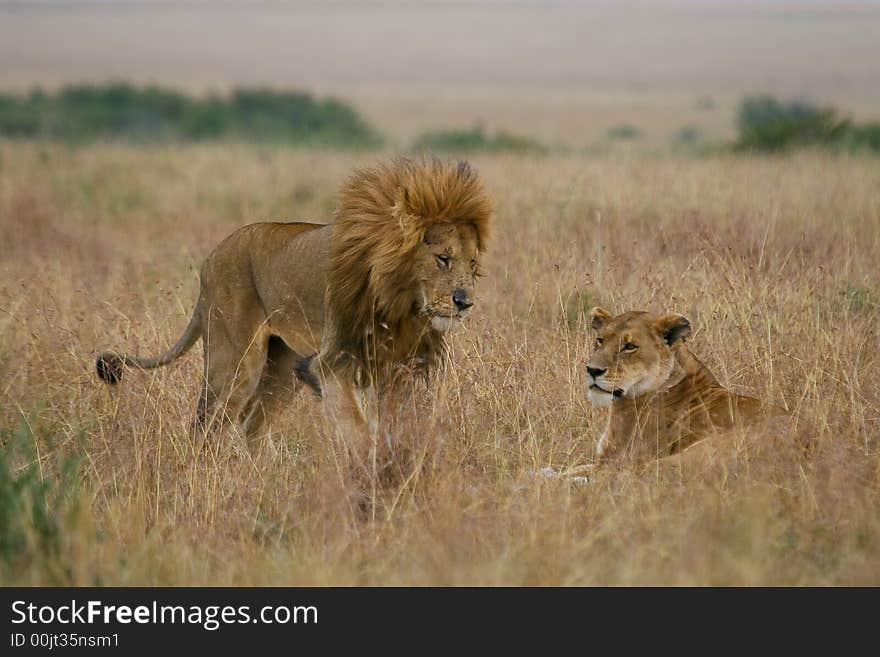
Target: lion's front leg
<point>352,451</point>
<point>345,411</point>
<point>345,405</point>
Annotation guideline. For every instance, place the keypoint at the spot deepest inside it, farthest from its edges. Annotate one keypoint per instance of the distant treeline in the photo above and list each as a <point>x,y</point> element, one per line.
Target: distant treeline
<point>764,124</point>
<point>121,111</point>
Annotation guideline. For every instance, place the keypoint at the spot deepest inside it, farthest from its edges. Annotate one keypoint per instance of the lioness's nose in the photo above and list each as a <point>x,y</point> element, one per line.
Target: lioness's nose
<point>460,299</point>
<point>596,372</point>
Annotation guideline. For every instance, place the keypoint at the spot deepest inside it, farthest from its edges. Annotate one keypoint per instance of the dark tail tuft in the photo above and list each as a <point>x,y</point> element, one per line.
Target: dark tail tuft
<point>109,367</point>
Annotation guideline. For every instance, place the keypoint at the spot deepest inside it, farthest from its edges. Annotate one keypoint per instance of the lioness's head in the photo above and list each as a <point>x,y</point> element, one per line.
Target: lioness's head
<point>446,266</point>
<point>634,353</point>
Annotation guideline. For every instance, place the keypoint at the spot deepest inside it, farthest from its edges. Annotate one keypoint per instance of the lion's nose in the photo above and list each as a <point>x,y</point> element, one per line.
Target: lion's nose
<point>596,372</point>
<point>460,299</point>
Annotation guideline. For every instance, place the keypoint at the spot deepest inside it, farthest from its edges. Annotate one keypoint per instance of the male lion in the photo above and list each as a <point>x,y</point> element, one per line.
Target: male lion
<point>661,399</point>
<point>346,304</point>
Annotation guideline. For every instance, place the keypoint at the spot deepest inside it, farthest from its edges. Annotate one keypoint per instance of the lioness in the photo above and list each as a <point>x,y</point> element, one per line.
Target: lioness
<point>346,304</point>
<point>661,399</point>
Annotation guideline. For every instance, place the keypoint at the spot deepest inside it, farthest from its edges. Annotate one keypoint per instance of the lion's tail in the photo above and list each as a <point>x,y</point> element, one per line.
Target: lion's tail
<point>110,364</point>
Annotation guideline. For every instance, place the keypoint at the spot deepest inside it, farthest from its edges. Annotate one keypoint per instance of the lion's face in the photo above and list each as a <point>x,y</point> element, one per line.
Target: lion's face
<point>634,353</point>
<point>446,267</point>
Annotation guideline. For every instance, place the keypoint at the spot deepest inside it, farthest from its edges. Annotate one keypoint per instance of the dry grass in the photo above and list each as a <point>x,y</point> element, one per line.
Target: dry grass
<point>774,260</point>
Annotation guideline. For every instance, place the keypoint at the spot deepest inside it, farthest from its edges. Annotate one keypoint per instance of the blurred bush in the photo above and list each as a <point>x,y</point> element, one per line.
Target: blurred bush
<point>866,136</point>
<point>467,140</point>
<point>688,136</point>
<point>767,124</point>
<point>120,111</point>
<point>690,140</point>
<point>38,505</point>
<point>624,132</point>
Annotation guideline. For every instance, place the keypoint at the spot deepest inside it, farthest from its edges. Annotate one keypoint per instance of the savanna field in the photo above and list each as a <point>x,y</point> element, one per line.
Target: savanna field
<point>773,258</point>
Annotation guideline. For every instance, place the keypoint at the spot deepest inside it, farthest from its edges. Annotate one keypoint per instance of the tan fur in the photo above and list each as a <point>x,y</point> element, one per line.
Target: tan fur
<point>365,293</point>
<point>661,398</point>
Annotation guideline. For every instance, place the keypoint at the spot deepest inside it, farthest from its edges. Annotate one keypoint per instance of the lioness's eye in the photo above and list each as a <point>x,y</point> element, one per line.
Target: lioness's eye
<point>599,342</point>
<point>443,261</point>
<point>629,347</point>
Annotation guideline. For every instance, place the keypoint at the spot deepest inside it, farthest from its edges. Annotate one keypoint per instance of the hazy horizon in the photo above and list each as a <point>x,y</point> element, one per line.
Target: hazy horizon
<point>547,68</point>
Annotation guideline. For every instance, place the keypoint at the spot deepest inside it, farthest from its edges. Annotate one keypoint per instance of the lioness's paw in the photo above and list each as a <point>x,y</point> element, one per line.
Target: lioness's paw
<point>551,473</point>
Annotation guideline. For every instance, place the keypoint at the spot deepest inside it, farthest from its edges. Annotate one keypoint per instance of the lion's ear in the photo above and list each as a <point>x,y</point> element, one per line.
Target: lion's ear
<point>673,327</point>
<point>599,317</point>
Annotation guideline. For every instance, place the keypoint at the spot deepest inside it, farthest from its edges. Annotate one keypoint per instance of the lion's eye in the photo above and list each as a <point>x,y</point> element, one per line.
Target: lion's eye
<point>599,342</point>
<point>629,347</point>
<point>443,261</point>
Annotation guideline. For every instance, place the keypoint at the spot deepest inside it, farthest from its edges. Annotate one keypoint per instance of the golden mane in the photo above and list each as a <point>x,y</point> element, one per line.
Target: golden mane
<point>381,218</point>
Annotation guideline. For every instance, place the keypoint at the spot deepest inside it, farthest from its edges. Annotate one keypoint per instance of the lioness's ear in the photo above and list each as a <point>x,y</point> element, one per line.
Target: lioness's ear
<point>673,327</point>
<point>599,317</point>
